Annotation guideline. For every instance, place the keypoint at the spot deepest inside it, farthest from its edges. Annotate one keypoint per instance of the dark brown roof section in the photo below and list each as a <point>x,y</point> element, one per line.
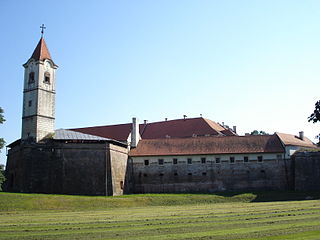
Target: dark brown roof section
<point>179,128</point>
<point>41,51</point>
<point>118,132</point>
<point>208,145</point>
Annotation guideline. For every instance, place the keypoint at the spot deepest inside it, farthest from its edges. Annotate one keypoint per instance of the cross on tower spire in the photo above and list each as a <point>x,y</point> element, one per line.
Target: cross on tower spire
<point>42,29</point>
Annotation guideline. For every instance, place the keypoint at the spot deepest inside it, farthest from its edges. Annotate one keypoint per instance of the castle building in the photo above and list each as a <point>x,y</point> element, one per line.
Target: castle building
<point>182,155</point>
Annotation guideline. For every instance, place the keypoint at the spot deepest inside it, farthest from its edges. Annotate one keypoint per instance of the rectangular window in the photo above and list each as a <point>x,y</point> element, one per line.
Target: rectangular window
<point>246,159</point>
<point>146,162</point>
<point>217,160</point>
<point>31,77</point>
<point>231,159</point>
<point>175,161</point>
<point>160,161</point>
<point>30,103</point>
<point>189,160</point>
<point>47,77</point>
<point>260,158</point>
<point>203,160</point>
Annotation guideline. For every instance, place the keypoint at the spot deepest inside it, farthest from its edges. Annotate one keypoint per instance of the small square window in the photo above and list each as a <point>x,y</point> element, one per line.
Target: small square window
<point>246,159</point>
<point>175,161</point>
<point>203,160</point>
<point>204,174</point>
<point>161,174</point>
<point>260,158</point>
<point>189,174</point>
<point>217,160</point>
<point>231,159</point>
<point>146,162</point>
<point>160,161</point>
<point>175,174</point>
<point>145,175</point>
<point>189,160</point>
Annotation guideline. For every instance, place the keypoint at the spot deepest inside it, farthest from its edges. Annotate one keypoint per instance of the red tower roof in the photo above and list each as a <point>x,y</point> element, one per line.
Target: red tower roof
<point>41,52</point>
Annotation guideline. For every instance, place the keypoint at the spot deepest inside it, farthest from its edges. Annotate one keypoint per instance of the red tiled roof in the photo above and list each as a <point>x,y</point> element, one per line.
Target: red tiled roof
<point>41,51</point>
<point>228,132</point>
<point>179,128</point>
<point>289,139</point>
<point>118,132</point>
<point>208,145</point>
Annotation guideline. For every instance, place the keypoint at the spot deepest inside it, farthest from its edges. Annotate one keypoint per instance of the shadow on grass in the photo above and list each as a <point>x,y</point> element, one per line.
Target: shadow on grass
<point>271,196</point>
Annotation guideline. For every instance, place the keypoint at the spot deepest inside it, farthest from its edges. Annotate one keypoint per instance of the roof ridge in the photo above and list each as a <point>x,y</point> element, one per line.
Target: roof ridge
<point>120,124</point>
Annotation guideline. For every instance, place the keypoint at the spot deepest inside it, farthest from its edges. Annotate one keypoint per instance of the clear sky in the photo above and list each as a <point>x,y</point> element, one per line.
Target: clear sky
<point>254,64</point>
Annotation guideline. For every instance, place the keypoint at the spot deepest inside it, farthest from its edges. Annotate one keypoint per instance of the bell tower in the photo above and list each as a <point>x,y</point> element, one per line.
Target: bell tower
<point>38,113</point>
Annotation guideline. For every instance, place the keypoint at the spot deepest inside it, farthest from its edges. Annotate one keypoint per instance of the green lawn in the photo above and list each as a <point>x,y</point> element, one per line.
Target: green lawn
<point>163,216</point>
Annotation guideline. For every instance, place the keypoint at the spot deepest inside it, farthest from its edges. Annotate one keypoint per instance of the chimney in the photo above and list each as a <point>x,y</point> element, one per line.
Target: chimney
<point>184,117</point>
<point>166,119</point>
<point>301,135</point>
<point>234,129</point>
<point>145,122</point>
<point>135,135</point>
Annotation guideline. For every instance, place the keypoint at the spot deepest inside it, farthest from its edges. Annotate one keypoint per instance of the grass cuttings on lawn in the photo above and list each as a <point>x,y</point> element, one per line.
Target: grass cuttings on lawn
<point>228,220</point>
<point>32,202</point>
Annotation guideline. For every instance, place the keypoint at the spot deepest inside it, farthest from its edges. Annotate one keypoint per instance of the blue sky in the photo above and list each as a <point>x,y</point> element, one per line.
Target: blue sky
<point>253,64</point>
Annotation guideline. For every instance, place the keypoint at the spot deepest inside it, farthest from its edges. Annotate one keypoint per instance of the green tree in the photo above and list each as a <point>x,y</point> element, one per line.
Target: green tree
<point>315,116</point>
<point>256,132</point>
<point>2,120</point>
<point>2,177</point>
<point>2,143</point>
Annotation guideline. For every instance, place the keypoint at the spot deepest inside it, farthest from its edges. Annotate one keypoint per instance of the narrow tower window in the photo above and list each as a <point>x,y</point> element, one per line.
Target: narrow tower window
<point>47,77</point>
<point>31,77</point>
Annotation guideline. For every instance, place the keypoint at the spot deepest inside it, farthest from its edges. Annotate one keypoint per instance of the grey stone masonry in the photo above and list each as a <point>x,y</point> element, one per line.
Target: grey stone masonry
<point>307,171</point>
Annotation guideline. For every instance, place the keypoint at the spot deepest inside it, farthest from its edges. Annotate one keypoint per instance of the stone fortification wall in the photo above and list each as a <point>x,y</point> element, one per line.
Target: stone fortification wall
<point>118,169</point>
<point>67,168</point>
<point>204,174</point>
<point>33,168</point>
<point>307,171</point>
<point>84,168</point>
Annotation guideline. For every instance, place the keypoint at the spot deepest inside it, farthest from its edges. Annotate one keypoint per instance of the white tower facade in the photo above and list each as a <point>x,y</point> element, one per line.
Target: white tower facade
<point>38,113</point>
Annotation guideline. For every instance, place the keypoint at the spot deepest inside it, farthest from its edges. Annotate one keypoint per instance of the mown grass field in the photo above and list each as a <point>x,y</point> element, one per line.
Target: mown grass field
<point>163,216</point>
